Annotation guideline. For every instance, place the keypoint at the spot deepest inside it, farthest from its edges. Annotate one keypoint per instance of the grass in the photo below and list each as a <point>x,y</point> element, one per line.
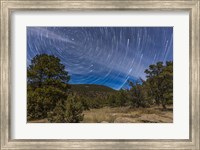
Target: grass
<point>125,115</point>
<point>98,115</point>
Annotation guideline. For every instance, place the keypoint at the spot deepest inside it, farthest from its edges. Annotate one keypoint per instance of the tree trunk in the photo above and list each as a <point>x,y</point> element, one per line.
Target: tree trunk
<point>164,106</point>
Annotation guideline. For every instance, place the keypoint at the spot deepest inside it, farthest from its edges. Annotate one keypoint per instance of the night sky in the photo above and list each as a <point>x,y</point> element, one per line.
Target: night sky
<point>103,55</point>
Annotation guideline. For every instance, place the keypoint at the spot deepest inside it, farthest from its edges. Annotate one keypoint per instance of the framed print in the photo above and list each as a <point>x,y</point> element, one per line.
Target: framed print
<point>99,88</point>
<point>100,74</point>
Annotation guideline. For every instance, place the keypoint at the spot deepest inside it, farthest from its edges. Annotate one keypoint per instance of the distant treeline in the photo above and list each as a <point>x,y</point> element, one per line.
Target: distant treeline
<point>50,96</point>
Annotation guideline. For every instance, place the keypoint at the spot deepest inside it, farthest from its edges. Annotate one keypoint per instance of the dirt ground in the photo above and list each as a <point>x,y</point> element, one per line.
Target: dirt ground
<point>125,115</point>
<point>128,115</point>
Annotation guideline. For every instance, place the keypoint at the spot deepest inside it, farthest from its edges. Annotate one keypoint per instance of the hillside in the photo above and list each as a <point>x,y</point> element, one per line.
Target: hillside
<point>91,88</point>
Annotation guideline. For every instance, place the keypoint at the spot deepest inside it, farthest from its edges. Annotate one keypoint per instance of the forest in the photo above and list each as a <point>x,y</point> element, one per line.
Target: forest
<point>51,97</point>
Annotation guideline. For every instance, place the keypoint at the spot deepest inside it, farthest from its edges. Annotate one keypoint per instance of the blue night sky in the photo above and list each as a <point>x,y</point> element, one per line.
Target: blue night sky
<point>103,55</point>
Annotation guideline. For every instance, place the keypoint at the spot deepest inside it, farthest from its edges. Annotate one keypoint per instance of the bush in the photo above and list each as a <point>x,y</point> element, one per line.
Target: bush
<point>43,100</point>
<point>70,112</point>
<point>74,110</point>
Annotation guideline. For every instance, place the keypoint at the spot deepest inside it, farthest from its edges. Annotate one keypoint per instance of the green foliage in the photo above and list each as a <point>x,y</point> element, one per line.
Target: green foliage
<point>91,88</point>
<point>112,100</point>
<point>42,100</point>
<point>74,110</point>
<point>121,98</point>
<point>45,67</point>
<point>57,115</point>
<point>160,82</point>
<point>84,102</point>
<point>92,96</point>
<point>50,96</point>
<point>138,95</point>
<point>157,89</point>
<point>69,112</point>
<point>47,85</point>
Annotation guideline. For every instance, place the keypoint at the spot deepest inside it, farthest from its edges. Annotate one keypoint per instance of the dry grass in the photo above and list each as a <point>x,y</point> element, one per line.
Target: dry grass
<point>39,121</point>
<point>128,115</point>
<point>99,115</point>
<point>125,115</point>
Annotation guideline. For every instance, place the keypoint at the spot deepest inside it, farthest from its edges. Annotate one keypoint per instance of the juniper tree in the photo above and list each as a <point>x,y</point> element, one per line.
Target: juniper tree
<point>74,110</point>
<point>137,94</point>
<point>160,81</point>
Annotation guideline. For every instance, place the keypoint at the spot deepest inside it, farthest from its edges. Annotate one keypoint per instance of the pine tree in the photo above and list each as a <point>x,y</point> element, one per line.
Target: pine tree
<point>47,85</point>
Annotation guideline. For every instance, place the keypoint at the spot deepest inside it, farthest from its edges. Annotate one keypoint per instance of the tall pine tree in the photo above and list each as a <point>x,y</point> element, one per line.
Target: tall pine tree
<point>47,85</point>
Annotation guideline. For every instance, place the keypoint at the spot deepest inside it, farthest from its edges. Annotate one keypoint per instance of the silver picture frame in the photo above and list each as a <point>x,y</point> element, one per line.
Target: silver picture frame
<point>10,6</point>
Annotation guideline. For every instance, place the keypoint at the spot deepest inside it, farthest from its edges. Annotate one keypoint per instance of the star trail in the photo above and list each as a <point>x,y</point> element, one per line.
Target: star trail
<point>108,56</point>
